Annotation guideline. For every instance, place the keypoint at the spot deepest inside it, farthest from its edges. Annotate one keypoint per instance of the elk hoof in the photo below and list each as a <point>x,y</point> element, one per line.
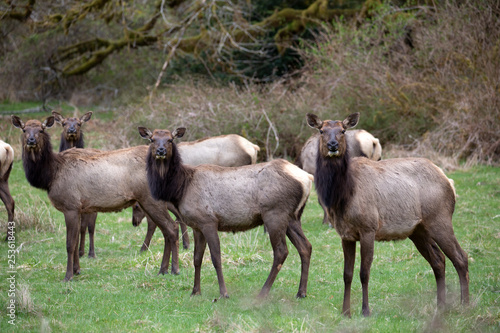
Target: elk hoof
<point>175,272</point>
<point>300,295</point>
<point>196,293</point>
<point>92,255</point>
<point>80,254</point>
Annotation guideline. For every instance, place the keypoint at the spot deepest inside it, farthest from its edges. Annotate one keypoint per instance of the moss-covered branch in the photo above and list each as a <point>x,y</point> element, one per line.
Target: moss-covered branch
<point>18,12</point>
<point>81,57</point>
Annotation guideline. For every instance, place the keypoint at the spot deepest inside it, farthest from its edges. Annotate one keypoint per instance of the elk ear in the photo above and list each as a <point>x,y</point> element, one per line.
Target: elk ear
<point>314,121</point>
<point>86,117</point>
<point>17,122</point>
<point>49,122</point>
<point>57,117</point>
<point>145,133</point>
<point>179,132</point>
<point>351,120</point>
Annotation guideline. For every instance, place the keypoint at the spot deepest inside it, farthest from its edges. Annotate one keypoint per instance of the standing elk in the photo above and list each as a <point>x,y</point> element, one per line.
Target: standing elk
<point>225,150</point>
<point>6,160</point>
<point>211,198</point>
<point>83,181</point>
<point>72,137</point>
<point>359,142</point>
<point>388,200</point>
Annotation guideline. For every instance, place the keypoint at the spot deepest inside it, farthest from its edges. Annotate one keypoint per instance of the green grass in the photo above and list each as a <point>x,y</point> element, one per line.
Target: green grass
<point>121,291</point>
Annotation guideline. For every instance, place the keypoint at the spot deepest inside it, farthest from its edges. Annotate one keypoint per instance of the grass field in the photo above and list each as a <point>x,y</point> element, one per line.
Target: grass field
<point>121,291</point>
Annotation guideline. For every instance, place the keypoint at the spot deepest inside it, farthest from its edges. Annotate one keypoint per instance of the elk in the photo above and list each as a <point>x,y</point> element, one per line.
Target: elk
<point>72,136</point>
<point>360,143</point>
<point>210,198</point>
<point>6,160</point>
<point>393,199</point>
<point>225,150</point>
<point>84,181</point>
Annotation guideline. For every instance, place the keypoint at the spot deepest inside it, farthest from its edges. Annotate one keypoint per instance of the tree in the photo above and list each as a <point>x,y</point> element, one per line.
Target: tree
<point>222,31</point>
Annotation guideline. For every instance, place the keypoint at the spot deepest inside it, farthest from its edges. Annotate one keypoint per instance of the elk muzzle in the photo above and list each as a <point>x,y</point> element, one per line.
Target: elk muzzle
<point>161,153</point>
<point>333,148</point>
<point>31,142</point>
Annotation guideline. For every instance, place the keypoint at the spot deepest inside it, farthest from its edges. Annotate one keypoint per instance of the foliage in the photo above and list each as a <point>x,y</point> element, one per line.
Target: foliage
<point>431,73</point>
<point>424,78</point>
<point>120,291</point>
<point>190,26</point>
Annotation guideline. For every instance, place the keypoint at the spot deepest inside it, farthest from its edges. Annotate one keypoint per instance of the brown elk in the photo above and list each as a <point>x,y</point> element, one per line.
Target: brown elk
<point>225,150</point>
<point>232,199</point>
<point>6,161</point>
<point>388,200</point>
<point>83,181</point>
<point>72,136</point>
<point>360,143</point>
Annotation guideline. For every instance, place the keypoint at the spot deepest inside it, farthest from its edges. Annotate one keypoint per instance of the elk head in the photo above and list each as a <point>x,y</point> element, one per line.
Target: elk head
<point>71,125</point>
<point>161,141</point>
<point>34,137</point>
<point>332,141</point>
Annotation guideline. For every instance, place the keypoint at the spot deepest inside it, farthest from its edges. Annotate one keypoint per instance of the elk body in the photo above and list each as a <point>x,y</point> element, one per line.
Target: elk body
<point>232,199</point>
<point>359,142</point>
<point>388,200</point>
<point>72,137</point>
<point>83,181</point>
<point>226,150</point>
<point>6,160</point>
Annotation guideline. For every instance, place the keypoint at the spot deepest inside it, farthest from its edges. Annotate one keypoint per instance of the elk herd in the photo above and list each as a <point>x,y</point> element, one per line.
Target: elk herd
<point>215,184</point>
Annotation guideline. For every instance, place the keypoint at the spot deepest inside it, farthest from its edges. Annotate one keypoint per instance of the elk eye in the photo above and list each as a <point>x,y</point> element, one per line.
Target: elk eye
<point>320,131</point>
<point>343,131</point>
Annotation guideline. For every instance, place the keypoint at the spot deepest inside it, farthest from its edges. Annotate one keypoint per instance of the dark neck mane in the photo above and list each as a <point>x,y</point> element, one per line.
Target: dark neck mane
<point>168,179</point>
<point>40,167</point>
<point>65,144</point>
<point>334,182</point>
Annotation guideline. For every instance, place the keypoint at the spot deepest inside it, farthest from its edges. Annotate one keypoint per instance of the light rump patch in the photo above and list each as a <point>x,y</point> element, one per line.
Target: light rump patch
<point>305,181</point>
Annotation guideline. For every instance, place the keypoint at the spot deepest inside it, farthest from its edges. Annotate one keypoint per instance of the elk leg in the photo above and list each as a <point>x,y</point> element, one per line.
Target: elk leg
<point>446,240</point>
<point>7,199</point>
<point>280,252</point>
<point>200,245</point>
<point>170,231</point>
<point>83,230</point>
<point>185,235</point>
<point>299,240</point>
<point>149,235</point>
<point>212,238</point>
<point>349,249</point>
<point>430,251</point>
<point>72,220</point>
<point>91,226</point>
<point>367,242</point>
